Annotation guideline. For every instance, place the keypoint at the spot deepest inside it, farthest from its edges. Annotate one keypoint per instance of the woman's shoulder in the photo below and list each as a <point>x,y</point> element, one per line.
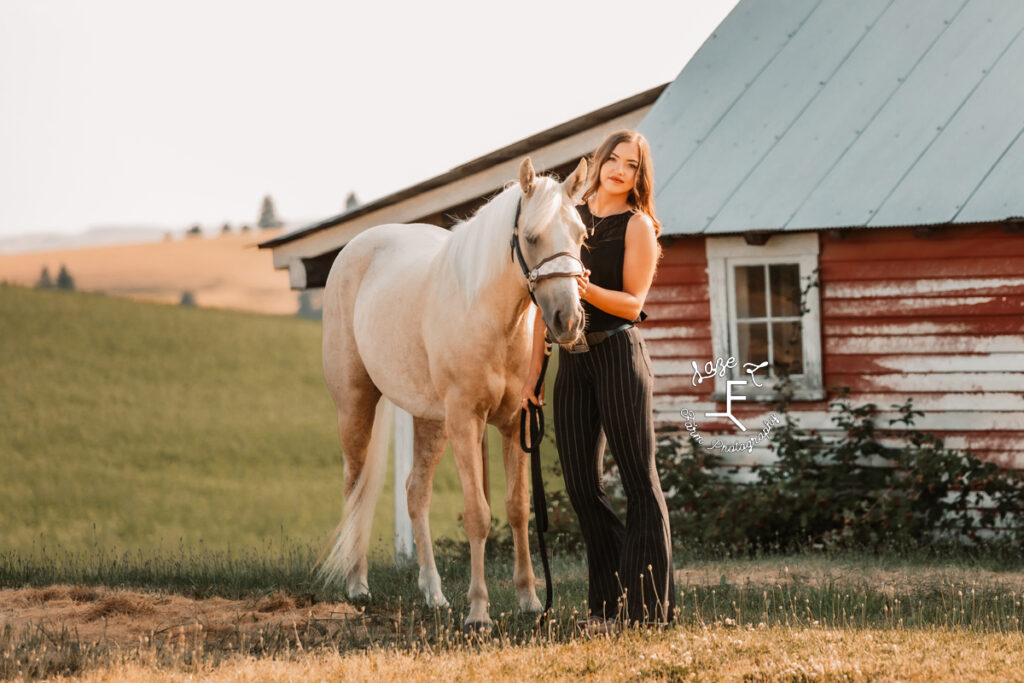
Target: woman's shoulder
<point>640,221</point>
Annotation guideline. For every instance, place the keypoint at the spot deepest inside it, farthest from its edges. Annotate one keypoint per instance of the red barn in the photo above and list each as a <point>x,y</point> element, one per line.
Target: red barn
<point>868,156</point>
<point>871,153</point>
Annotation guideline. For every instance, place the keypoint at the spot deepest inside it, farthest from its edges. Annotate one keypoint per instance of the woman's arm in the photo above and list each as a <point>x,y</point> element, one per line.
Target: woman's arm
<point>641,255</point>
<point>536,360</point>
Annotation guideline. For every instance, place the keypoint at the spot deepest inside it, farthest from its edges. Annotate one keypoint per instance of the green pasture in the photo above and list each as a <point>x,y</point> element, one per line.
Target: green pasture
<point>136,426</point>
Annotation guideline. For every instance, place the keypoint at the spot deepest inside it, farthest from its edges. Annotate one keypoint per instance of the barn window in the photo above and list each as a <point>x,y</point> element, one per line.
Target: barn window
<point>765,312</point>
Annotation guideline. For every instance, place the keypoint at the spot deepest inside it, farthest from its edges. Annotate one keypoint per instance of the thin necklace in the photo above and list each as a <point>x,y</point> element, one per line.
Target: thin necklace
<point>593,225</point>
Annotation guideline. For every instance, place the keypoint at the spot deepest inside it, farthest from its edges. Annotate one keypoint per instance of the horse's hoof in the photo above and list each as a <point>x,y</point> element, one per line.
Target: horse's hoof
<point>481,628</point>
<point>438,601</point>
<point>531,605</point>
<point>360,597</point>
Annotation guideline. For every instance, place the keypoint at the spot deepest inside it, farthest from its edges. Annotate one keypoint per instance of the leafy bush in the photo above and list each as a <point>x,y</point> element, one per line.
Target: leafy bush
<point>849,490</point>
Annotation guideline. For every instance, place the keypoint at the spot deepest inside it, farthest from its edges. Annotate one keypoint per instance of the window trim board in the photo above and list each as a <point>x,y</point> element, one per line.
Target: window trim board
<point>725,252</point>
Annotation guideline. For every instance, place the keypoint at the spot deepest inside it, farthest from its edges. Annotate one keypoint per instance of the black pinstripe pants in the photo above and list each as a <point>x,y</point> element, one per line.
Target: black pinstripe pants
<point>609,388</point>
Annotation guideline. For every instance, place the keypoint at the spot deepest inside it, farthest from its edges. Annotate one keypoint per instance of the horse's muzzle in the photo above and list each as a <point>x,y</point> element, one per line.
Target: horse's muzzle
<point>566,329</point>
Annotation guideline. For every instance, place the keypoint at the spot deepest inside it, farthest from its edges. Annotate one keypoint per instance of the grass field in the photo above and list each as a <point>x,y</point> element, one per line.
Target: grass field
<point>136,426</point>
<point>805,617</point>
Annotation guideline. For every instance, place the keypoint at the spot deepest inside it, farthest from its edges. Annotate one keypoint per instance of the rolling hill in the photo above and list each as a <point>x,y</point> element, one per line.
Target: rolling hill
<point>142,426</point>
<point>226,271</point>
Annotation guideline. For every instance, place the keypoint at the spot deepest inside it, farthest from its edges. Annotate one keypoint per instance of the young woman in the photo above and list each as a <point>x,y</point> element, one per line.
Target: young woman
<point>603,391</point>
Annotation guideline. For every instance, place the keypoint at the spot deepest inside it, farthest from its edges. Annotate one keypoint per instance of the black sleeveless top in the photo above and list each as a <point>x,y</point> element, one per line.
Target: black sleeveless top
<point>603,254</point>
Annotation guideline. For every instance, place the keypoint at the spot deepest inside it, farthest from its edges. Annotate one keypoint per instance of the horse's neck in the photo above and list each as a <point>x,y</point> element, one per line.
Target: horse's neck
<point>505,296</point>
<point>480,254</point>
<point>509,297</point>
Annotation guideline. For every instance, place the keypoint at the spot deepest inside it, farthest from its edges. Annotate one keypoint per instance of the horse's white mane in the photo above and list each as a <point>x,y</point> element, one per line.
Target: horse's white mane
<point>479,247</point>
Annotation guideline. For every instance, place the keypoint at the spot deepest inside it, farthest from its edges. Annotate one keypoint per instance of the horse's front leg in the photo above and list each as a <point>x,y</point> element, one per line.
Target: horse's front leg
<point>517,505</point>
<point>465,431</point>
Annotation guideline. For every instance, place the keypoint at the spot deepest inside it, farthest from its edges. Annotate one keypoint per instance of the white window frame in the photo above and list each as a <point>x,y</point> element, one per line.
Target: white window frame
<point>723,254</point>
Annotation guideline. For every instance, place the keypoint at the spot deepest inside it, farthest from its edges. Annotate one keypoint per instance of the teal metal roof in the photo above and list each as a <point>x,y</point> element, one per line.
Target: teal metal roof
<point>808,114</point>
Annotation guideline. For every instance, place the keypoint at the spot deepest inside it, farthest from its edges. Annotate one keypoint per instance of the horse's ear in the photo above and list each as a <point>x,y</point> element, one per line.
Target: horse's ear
<point>527,176</point>
<point>574,184</point>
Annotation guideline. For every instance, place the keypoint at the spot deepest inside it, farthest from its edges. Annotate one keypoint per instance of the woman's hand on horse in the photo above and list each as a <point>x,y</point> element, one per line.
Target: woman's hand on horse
<point>583,283</point>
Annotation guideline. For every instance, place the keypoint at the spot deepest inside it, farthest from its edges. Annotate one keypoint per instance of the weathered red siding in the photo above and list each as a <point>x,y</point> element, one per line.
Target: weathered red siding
<point>936,318</point>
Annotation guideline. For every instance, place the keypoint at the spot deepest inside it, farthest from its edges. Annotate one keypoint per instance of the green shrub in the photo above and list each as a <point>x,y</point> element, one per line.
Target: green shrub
<point>847,491</point>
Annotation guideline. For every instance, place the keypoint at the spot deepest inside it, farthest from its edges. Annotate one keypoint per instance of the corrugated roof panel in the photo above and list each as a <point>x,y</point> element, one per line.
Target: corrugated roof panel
<point>858,185</point>
<point>714,79</point>
<point>786,176</point>
<point>1000,194</point>
<point>966,149</point>
<point>702,185</point>
<point>806,116</point>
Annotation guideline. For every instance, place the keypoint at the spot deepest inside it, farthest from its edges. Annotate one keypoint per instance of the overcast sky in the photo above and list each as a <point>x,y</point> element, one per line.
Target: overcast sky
<point>167,114</point>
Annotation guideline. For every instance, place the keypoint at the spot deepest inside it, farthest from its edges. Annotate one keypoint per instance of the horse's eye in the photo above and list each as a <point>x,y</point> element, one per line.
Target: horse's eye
<point>531,239</point>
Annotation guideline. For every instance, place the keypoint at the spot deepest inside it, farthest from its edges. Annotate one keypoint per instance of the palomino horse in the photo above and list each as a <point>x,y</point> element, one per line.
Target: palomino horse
<point>440,324</point>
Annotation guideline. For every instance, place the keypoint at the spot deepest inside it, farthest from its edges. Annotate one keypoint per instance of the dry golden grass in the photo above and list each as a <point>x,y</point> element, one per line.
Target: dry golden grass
<point>944,620</point>
<point>222,272</point>
<point>711,654</point>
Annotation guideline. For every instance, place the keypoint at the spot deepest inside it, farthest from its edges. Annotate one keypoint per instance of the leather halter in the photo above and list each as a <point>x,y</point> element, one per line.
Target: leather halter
<point>537,273</point>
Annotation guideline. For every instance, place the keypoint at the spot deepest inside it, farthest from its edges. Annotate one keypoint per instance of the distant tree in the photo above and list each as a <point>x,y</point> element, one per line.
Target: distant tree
<point>306,307</point>
<point>168,237</point>
<point>225,229</point>
<point>44,281</point>
<point>351,201</point>
<point>64,279</point>
<point>188,299</point>
<point>268,217</point>
<point>246,228</point>
<point>194,231</point>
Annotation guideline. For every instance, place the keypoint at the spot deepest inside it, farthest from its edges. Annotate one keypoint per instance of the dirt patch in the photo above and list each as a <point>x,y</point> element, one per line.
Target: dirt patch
<point>127,618</point>
<point>120,604</point>
<point>278,602</point>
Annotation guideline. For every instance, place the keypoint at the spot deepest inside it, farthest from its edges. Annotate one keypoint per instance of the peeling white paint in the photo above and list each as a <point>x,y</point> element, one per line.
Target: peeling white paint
<point>869,308</point>
<point>916,287</point>
<point>868,328</point>
<point>965,420</point>
<point>992,362</point>
<point>955,382</point>
<point>1002,343</point>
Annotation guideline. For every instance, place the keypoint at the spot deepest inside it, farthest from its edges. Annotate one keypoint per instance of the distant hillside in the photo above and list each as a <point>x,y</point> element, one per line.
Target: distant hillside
<point>135,425</point>
<point>223,271</point>
<point>95,237</point>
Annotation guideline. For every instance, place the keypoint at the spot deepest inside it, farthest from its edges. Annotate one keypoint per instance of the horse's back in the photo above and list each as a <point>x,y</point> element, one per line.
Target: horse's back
<point>377,252</point>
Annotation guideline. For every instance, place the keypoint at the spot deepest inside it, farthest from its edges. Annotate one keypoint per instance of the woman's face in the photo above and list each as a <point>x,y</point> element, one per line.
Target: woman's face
<point>618,173</point>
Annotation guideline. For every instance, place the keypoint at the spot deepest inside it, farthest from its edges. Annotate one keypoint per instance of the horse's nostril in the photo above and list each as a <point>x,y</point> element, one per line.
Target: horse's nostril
<point>558,319</point>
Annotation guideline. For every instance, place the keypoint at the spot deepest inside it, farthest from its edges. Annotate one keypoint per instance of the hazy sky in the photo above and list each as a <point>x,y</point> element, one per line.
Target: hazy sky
<point>168,114</point>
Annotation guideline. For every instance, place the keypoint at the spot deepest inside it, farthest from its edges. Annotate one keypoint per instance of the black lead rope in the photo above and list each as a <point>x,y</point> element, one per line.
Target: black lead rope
<point>536,433</point>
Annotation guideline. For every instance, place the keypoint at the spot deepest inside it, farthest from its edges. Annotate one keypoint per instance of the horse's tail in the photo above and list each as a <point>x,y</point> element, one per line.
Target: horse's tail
<point>351,538</point>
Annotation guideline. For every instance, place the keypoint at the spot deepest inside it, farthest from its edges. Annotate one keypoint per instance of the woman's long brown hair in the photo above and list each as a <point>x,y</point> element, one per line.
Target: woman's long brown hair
<point>641,197</point>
